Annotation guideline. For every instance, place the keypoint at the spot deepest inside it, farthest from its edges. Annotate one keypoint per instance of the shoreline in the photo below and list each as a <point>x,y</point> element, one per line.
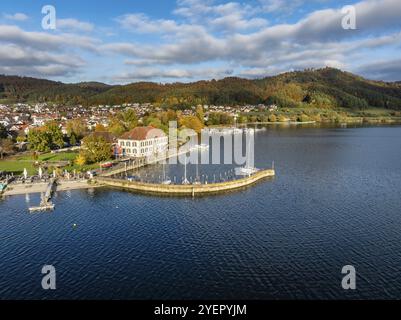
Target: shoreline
<point>21,189</point>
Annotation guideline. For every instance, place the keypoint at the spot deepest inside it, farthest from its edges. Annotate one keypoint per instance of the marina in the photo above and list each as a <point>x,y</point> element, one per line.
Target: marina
<point>186,188</point>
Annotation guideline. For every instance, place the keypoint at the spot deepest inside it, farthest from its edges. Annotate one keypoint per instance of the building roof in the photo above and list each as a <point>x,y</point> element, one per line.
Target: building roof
<point>143,133</point>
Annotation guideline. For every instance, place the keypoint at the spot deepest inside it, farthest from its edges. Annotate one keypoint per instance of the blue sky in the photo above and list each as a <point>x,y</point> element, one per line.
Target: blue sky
<point>125,41</point>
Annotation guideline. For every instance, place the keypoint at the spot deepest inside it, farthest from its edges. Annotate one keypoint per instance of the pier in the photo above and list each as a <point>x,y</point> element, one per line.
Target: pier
<point>186,189</point>
<point>46,204</point>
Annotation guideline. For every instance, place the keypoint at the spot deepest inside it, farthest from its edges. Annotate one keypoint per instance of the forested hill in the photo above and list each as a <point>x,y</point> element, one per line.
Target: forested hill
<point>323,88</point>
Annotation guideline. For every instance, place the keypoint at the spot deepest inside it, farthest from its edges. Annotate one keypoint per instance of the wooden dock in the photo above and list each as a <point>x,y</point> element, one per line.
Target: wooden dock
<point>45,203</point>
<point>48,207</point>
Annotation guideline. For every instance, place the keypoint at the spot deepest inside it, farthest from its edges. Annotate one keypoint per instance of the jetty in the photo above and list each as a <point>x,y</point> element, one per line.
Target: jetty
<point>45,203</point>
<point>191,190</point>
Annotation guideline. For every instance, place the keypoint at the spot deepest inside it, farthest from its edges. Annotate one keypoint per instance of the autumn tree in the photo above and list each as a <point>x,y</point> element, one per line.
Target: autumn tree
<point>191,122</point>
<point>46,138</point>
<point>80,160</point>
<point>200,114</point>
<point>95,149</point>
<point>123,122</point>
<point>76,127</point>
<point>100,128</point>
<point>6,147</point>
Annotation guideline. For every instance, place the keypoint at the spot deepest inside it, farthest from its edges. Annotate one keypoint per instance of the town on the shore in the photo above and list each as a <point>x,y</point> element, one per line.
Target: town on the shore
<point>77,139</point>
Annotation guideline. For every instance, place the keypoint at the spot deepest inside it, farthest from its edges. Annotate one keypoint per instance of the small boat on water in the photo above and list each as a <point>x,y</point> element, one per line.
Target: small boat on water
<point>245,171</point>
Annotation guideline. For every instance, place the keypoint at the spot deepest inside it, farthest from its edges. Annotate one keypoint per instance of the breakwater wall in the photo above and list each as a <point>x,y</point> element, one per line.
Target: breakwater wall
<point>186,190</point>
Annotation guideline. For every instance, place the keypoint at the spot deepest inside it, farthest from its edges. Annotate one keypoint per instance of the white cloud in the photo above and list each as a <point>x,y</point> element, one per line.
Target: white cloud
<point>388,70</point>
<point>45,40</point>
<point>16,16</point>
<point>140,23</point>
<point>234,37</point>
<point>149,73</point>
<point>41,53</point>
<point>74,24</point>
<point>316,40</point>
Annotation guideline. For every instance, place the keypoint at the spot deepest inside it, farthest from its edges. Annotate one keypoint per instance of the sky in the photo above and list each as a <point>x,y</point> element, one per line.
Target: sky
<point>124,41</point>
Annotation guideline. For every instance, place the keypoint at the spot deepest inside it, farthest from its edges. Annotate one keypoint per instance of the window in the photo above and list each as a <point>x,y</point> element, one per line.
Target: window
<point>122,144</point>
<point>128,144</point>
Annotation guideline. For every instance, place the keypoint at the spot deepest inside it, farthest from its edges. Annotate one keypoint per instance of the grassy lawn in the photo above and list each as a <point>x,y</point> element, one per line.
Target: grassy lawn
<point>64,156</point>
<point>17,164</point>
<point>17,167</point>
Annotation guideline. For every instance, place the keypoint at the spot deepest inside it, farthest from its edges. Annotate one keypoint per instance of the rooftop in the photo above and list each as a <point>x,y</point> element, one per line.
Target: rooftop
<point>143,133</point>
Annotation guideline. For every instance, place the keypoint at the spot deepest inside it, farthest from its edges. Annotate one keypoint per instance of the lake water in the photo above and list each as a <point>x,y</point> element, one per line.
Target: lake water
<point>336,200</point>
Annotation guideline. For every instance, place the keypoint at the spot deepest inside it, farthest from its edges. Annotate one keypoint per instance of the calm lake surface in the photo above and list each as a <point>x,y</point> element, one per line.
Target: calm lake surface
<point>336,201</point>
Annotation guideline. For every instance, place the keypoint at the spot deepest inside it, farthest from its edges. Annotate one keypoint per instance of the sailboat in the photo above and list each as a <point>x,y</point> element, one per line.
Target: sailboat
<point>185,174</point>
<point>247,170</point>
<point>197,179</point>
<point>165,180</point>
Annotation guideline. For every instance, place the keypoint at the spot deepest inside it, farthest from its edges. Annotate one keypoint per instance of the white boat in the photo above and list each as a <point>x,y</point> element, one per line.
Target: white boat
<point>249,131</point>
<point>245,171</point>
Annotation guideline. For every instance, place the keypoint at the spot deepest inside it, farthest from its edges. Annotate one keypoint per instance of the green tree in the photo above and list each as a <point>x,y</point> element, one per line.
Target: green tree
<point>96,149</point>
<point>123,122</point>
<point>39,140</point>
<point>46,138</point>
<point>3,132</point>
<point>128,119</point>
<point>73,139</point>
<point>56,135</point>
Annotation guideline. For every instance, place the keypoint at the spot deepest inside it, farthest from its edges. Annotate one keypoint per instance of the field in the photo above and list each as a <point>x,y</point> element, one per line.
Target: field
<point>17,164</point>
<point>17,167</point>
